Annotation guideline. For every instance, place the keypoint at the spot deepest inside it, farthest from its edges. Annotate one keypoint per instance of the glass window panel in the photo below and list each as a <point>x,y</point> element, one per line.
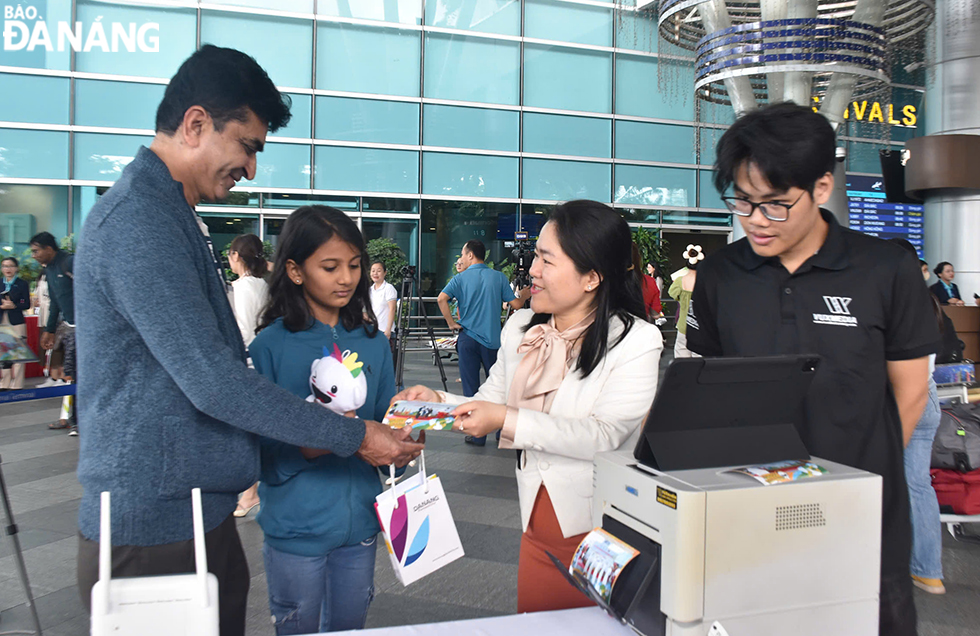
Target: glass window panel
<point>709,195</point>
<point>33,154</point>
<point>100,157</point>
<point>682,217</point>
<point>359,59</point>
<point>862,157</point>
<point>84,199</point>
<point>464,127</point>
<point>640,215</point>
<point>33,99</point>
<point>566,180</point>
<point>567,135</point>
<point>644,185</point>
<point>117,104</point>
<point>293,6</point>
<point>447,225</point>
<point>385,204</point>
<point>156,52</point>
<point>567,79</point>
<point>369,120</point>
<point>652,87</point>
<point>45,53</point>
<point>281,46</point>
<point>293,201</point>
<point>564,22</point>
<point>654,142</point>
<point>282,166</point>
<point>534,216</point>
<point>239,199</point>
<point>472,69</point>
<point>712,113</point>
<point>26,210</point>
<point>402,11</point>
<point>469,175</point>
<point>404,233</point>
<point>299,124</point>
<point>489,16</point>
<point>271,229</point>
<point>637,31</point>
<point>709,141</point>
<point>223,228</point>
<point>366,170</point>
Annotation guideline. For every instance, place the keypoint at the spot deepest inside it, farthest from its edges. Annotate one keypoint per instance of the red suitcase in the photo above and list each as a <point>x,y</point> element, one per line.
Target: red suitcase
<point>956,490</point>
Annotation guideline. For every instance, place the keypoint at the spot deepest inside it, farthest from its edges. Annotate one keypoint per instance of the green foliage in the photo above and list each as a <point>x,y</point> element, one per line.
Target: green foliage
<point>67,244</point>
<point>388,252</point>
<point>653,248</point>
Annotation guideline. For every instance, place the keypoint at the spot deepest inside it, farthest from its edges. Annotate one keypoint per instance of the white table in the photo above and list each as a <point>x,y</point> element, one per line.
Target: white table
<point>590,621</point>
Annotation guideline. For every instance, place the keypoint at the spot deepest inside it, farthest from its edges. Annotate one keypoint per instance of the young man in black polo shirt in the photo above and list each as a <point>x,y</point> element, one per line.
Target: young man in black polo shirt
<point>800,283</point>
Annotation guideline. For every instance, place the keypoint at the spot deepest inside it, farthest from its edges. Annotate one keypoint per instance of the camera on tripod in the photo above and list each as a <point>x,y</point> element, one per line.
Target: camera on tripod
<point>408,271</point>
<point>523,256</point>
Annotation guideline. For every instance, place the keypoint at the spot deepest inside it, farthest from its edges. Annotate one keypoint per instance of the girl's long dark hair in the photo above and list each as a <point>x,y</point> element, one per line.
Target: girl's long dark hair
<point>249,249</point>
<point>304,232</point>
<point>596,238</point>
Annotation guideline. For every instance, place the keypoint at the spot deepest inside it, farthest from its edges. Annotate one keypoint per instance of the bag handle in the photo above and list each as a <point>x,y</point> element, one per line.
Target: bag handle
<point>425,480</point>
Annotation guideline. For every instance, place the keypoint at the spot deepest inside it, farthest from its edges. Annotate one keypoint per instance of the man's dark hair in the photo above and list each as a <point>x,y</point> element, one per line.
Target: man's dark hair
<point>477,249</point>
<point>44,239</point>
<point>790,144</point>
<point>226,83</point>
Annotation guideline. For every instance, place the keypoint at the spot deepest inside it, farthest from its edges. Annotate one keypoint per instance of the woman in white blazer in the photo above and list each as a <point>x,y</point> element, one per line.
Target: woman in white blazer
<point>576,375</point>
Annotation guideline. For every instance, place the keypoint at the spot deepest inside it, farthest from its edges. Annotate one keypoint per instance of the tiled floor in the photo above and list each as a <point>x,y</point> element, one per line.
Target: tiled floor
<point>39,468</point>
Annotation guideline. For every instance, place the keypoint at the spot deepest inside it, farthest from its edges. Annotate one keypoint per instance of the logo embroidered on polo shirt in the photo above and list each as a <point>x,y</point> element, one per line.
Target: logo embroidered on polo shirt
<point>840,313</point>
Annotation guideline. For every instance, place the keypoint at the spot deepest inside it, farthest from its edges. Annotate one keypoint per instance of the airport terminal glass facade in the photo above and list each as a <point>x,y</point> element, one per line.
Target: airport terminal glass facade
<point>428,121</point>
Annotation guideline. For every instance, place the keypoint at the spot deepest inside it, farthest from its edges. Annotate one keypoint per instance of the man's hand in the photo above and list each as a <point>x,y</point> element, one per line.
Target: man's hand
<point>383,445</point>
<point>47,340</point>
<point>454,325</point>
<point>417,393</point>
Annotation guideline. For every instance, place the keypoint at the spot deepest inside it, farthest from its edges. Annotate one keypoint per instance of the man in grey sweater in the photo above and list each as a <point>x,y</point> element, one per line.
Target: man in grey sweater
<point>166,401</point>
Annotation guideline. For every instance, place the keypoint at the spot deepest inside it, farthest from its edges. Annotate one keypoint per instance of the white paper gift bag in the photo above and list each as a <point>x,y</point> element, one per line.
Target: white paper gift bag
<point>417,525</point>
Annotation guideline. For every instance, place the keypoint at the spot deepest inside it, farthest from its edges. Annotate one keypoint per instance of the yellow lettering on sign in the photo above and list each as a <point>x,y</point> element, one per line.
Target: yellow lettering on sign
<point>876,112</point>
<point>891,112</point>
<point>910,118</point>
<point>859,112</point>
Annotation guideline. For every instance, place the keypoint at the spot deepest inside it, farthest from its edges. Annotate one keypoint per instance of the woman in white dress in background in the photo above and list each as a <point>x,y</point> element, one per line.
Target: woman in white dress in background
<point>251,295</point>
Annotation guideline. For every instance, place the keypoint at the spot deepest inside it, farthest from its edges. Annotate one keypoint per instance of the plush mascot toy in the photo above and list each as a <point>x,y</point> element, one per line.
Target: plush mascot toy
<point>337,381</point>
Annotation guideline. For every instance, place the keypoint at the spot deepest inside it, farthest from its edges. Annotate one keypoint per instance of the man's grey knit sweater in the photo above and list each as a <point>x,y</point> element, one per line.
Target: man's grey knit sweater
<point>166,402</point>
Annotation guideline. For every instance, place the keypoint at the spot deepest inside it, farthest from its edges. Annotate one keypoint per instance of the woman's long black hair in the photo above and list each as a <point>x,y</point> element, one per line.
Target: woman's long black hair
<point>306,229</point>
<point>596,238</point>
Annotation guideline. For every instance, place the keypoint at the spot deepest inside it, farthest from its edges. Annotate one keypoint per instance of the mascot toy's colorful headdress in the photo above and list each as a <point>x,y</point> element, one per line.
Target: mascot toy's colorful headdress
<point>337,381</point>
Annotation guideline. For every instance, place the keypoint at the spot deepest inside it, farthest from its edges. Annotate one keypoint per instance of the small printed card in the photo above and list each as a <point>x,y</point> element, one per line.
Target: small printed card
<point>781,472</point>
<point>599,560</point>
<point>431,416</point>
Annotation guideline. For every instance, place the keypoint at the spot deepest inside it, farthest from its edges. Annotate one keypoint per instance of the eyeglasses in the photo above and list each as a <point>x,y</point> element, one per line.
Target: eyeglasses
<point>772,210</point>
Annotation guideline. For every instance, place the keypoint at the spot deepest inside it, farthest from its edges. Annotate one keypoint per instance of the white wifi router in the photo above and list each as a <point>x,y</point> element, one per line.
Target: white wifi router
<point>155,605</point>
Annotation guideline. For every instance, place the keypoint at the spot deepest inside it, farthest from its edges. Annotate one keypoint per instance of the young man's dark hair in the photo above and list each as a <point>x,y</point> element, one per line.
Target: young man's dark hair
<point>477,249</point>
<point>44,239</point>
<point>226,83</point>
<point>792,146</point>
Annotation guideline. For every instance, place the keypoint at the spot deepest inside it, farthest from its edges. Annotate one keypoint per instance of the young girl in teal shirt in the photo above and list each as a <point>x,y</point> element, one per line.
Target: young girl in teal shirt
<point>317,509</point>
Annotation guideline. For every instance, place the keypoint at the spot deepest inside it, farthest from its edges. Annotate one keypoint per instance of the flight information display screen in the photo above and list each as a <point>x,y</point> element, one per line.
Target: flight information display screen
<point>871,213</point>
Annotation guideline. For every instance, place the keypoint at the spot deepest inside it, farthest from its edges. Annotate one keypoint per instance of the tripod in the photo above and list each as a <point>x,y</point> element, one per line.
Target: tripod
<point>11,530</point>
<point>410,293</point>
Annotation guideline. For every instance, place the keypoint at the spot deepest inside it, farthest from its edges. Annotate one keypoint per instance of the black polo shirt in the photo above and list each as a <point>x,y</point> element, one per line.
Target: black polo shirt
<point>858,302</point>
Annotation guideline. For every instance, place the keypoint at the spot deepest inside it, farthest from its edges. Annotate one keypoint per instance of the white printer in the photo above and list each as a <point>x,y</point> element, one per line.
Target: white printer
<point>799,558</point>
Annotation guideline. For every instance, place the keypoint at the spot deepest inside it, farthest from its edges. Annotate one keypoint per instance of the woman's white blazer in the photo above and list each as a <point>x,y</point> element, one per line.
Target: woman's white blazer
<point>600,412</point>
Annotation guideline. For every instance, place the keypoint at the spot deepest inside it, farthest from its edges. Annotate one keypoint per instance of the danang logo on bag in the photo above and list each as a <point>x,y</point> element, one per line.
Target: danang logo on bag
<point>398,529</point>
<point>840,313</point>
<point>114,37</point>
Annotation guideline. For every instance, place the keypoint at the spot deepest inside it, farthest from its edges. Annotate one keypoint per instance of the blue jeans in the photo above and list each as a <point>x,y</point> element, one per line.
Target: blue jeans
<point>927,534</point>
<point>473,355</point>
<point>320,594</point>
